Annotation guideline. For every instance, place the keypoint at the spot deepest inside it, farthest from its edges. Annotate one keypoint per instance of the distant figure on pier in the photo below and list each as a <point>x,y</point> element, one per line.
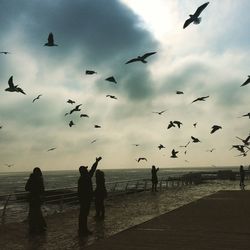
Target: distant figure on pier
<point>242,178</point>
<point>85,195</point>
<point>35,187</point>
<point>154,179</point>
<point>100,194</point>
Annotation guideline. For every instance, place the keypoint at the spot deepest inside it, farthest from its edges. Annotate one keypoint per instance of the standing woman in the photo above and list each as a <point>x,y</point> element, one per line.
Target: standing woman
<point>35,187</point>
<point>242,178</point>
<point>154,178</point>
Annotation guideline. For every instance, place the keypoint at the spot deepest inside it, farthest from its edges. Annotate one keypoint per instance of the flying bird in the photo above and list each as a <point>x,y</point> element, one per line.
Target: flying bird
<point>211,150</point>
<point>170,125</point>
<point>70,101</point>
<point>4,52</point>
<point>195,17</point>
<point>160,113</point>
<point>195,124</point>
<point>141,58</point>
<point>179,92</point>
<point>51,149</point>
<point>71,123</point>
<point>203,98</point>
<point>174,154</point>
<point>136,145</point>
<point>75,109</point>
<point>112,97</point>
<point>195,140</point>
<point>248,114</point>
<point>90,72</point>
<point>97,126</point>
<point>111,79</point>
<point>50,42</point>
<point>9,165</point>
<point>246,82</point>
<point>184,146</point>
<point>240,148</point>
<point>36,98</point>
<point>245,141</point>
<point>94,141</point>
<point>1,127</point>
<point>141,159</point>
<point>84,115</point>
<point>161,146</point>
<point>215,128</point>
<point>13,88</point>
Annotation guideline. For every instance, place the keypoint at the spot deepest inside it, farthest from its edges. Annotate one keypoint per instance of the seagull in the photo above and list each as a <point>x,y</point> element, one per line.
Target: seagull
<point>195,140</point>
<point>215,128</point>
<point>246,82</point>
<point>71,123</point>
<point>50,42</point>
<point>9,165</point>
<point>179,92</point>
<point>184,146</point>
<point>195,124</point>
<point>200,99</point>
<point>178,123</point>
<point>84,115</point>
<point>195,17</point>
<point>51,149</point>
<point>141,159</point>
<point>75,109</point>
<point>174,154</point>
<point>160,146</point>
<point>97,126</point>
<point>94,141</point>
<point>245,141</point>
<point>211,150</point>
<point>71,101</point>
<point>90,72</point>
<point>12,87</point>
<point>170,125</point>
<point>141,58</point>
<point>111,79</point>
<point>160,113</point>
<point>37,98</point>
<point>248,114</point>
<point>112,96</point>
<point>4,52</point>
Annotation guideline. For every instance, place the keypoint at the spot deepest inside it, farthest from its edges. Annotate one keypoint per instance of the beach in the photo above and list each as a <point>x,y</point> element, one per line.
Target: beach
<point>122,212</point>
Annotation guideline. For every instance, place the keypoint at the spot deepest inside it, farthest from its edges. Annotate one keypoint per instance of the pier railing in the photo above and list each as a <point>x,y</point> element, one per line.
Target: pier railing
<point>14,207</point>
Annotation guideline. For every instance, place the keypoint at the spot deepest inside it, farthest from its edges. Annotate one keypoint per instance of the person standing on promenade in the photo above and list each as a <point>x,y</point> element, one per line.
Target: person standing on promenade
<point>35,187</point>
<point>242,178</point>
<point>85,195</point>
<point>154,179</point>
<point>100,194</point>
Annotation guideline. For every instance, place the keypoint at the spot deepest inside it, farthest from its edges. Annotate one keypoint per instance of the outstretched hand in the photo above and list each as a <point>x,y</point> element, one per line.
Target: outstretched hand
<point>98,158</point>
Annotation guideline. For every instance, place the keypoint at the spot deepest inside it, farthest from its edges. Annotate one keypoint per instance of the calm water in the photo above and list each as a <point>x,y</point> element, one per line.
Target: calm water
<point>15,182</point>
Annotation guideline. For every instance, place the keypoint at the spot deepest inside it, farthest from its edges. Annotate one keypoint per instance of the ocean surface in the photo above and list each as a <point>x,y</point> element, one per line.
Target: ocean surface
<point>15,181</point>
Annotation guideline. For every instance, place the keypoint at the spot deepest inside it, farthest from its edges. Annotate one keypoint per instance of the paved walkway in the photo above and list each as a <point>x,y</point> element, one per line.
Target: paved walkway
<point>217,222</point>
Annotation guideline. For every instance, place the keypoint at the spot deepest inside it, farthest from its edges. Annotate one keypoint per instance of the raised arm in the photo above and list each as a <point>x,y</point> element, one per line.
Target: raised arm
<point>94,166</point>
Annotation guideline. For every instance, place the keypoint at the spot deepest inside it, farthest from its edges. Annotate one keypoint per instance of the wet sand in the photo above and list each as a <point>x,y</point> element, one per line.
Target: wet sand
<point>121,213</point>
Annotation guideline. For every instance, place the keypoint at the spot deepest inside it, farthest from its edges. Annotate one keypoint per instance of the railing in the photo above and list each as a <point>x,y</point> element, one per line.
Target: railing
<point>14,207</point>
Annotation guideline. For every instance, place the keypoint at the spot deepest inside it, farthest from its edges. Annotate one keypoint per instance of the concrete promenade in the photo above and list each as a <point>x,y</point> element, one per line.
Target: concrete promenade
<point>217,222</point>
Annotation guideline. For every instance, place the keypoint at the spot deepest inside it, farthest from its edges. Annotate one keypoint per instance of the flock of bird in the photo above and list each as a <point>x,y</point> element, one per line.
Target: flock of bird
<point>193,18</point>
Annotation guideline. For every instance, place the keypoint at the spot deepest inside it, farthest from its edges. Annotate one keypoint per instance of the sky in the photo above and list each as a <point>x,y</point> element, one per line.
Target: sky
<point>209,59</point>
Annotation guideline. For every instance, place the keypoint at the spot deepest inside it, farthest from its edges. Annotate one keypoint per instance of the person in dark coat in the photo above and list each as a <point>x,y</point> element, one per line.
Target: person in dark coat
<point>100,194</point>
<point>242,178</point>
<point>35,187</point>
<point>85,195</point>
<point>154,179</point>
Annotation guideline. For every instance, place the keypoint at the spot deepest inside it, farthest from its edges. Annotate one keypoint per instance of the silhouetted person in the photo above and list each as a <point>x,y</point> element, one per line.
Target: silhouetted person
<point>100,194</point>
<point>154,178</point>
<point>242,178</point>
<point>85,195</point>
<point>35,187</point>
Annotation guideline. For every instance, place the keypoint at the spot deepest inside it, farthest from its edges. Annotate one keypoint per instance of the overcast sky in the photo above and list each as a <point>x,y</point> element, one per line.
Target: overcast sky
<point>210,59</point>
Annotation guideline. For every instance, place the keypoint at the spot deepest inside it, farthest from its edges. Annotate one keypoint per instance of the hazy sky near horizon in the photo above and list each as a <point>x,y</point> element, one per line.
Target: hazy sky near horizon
<point>211,58</point>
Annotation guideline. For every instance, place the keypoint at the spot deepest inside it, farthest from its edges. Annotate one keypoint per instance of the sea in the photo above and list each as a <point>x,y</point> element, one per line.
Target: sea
<point>13,182</point>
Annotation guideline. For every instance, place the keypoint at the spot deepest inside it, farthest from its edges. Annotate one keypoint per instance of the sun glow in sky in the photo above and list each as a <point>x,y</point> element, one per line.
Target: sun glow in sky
<point>209,59</point>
